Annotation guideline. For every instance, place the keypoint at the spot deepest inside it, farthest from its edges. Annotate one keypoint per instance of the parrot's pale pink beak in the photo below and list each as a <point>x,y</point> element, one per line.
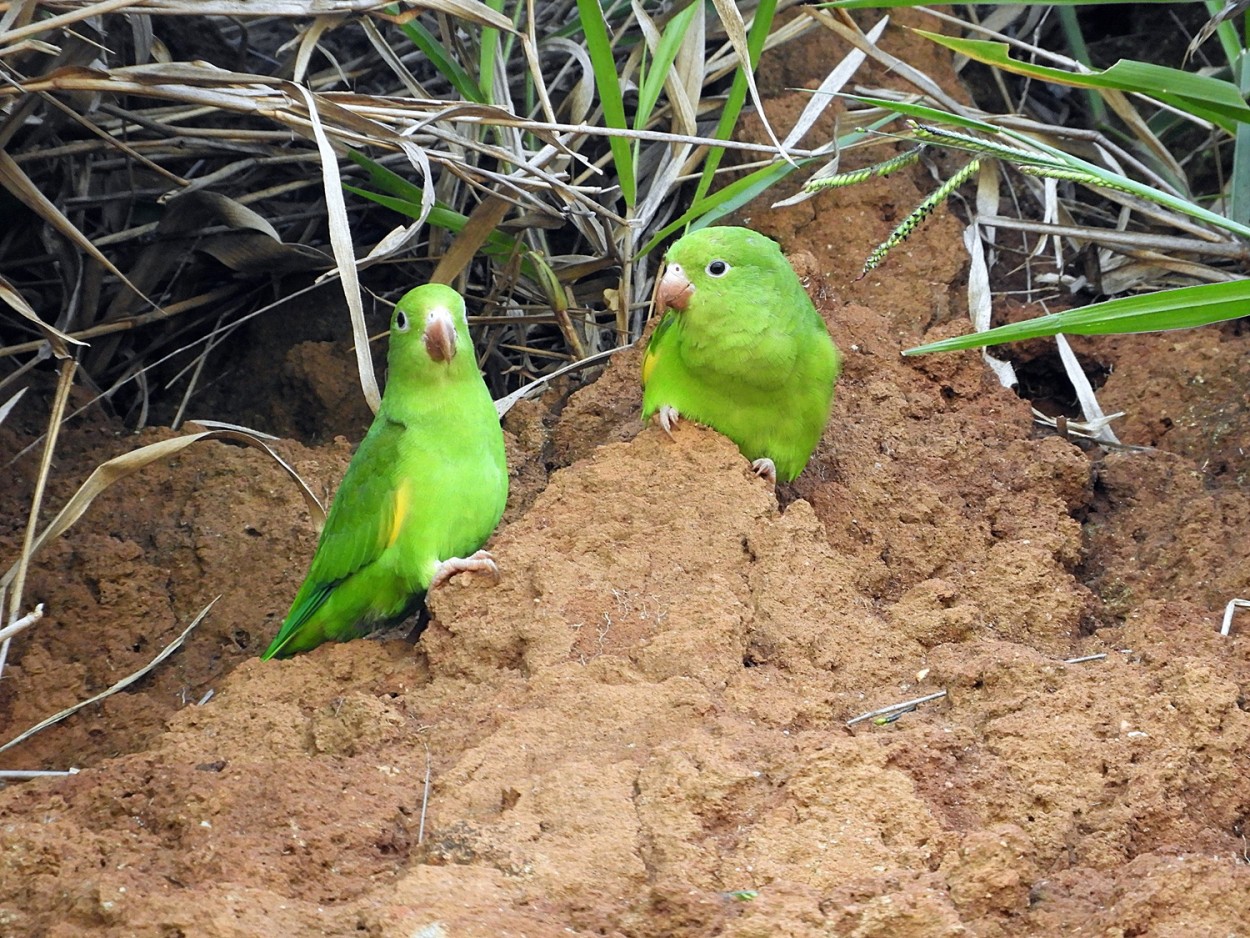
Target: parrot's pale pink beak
<point>675,289</point>
<point>440,336</point>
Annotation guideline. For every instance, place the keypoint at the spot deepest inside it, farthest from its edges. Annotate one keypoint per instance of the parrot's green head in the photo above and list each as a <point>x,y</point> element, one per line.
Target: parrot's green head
<point>713,270</point>
<point>429,335</point>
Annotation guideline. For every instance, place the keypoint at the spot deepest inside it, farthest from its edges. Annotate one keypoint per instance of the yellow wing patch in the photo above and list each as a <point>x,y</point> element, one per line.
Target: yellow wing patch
<point>399,512</point>
<point>652,355</point>
<point>648,363</point>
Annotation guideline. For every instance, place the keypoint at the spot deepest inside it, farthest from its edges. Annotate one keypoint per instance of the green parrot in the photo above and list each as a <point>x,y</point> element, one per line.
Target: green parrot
<point>741,349</point>
<point>423,492</point>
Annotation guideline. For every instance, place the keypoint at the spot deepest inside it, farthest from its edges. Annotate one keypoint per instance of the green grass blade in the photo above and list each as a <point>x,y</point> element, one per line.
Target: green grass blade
<point>1200,95</point>
<point>497,245</point>
<point>387,180</point>
<point>1071,27</point>
<point>607,81</point>
<point>665,55</point>
<point>927,113</point>
<point>729,199</point>
<point>440,215</point>
<point>1111,180</point>
<point>1239,181</point>
<point>1182,308</point>
<point>1239,203</point>
<point>756,37</point>
<point>489,54</point>
<point>400,195</point>
<point>452,70</point>
<point>703,212</point>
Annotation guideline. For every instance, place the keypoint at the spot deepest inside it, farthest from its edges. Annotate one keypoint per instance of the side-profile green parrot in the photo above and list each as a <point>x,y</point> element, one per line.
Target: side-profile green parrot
<point>423,492</point>
<point>741,349</point>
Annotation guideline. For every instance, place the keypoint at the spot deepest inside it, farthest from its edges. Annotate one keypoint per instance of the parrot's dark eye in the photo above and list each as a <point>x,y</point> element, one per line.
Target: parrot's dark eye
<point>401,321</point>
<point>717,269</point>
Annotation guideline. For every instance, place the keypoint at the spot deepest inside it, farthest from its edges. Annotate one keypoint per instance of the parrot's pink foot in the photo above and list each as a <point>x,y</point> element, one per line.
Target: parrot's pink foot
<point>668,419</point>
<point>765,469</point>
<point>481,562</point>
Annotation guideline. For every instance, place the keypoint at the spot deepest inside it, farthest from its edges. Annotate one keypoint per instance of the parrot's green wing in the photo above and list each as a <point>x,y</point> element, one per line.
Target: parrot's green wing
<point>366,517</point>
<point>655,347</point>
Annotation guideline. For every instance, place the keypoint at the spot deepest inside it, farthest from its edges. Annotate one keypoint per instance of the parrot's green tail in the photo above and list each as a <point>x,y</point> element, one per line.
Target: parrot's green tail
<point>321,617</point>
<point>278,647</point>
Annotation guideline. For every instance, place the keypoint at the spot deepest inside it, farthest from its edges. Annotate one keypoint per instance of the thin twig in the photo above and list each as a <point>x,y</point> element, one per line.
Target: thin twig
<point>906,704</point>
<point>912,704</point>
<point>1233,605</point>
<point>505,404</point>
<point>18,775</point>
<point>130,322</point>
<point>425,794</point>
<point>1229,250</point>
<point>14,596</point>
<point>24,622</point>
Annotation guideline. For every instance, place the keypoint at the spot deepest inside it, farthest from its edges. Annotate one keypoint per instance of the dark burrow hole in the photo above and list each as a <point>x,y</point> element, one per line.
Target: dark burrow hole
<point>1045,383</point>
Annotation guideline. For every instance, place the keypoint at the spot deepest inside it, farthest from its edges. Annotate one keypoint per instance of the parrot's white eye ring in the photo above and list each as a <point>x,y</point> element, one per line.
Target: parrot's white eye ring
<point>718,269</point>
<point>401,321</point>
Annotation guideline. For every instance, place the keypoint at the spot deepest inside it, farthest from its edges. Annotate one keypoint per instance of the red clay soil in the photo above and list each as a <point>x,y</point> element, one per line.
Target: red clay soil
<point>642,730</point>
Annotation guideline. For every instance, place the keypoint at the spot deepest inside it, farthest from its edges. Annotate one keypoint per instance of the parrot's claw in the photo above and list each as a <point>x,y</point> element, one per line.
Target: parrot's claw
<point>480,562</point>
<point>765,469</point>
<point>668,419</point>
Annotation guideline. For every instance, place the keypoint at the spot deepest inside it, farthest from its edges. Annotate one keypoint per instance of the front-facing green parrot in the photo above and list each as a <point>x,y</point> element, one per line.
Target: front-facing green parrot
<point>422,493</point>
<point>741,349</point>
